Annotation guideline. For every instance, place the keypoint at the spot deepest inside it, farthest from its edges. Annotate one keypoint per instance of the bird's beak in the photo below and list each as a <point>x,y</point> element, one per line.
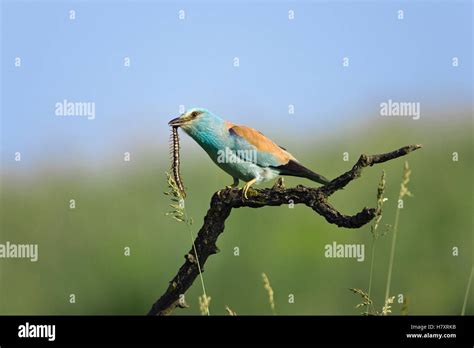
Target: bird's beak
<point>177,122</point>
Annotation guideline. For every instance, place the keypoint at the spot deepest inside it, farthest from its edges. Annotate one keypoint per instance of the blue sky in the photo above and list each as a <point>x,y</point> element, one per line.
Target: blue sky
<point>190,62</point>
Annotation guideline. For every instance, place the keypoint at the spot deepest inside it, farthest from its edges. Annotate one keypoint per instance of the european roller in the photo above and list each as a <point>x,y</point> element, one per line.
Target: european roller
<point>241,151</point>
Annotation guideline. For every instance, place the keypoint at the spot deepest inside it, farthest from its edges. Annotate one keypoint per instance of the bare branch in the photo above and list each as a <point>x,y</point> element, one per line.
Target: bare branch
<point>223,201</point>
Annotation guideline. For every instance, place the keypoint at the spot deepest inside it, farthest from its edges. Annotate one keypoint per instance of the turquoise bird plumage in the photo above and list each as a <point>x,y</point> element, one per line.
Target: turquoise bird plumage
<point>241,151</point>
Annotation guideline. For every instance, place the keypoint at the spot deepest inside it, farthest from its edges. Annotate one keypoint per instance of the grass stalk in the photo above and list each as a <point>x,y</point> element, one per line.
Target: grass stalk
<point>464,305</point>
<point>179,214</point>
<point>403,192</point>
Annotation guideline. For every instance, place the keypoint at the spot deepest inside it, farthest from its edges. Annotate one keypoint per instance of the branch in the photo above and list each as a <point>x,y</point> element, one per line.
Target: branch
<point>224,200</point>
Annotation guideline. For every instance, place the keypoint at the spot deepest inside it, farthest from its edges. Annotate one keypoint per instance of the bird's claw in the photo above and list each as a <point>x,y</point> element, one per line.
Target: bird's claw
<point>246,188</point>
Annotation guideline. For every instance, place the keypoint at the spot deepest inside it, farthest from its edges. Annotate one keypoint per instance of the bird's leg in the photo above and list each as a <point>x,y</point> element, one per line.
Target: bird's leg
<point>247,186</point>
<point>234,184</point>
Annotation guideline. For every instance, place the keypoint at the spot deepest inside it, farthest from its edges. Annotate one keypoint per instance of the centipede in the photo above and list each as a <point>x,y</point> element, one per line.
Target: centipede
<point>175,160</point>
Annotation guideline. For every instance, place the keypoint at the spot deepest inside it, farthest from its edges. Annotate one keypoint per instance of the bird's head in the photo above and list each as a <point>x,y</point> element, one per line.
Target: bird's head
<point>196,120</point>
<point>188,118</point>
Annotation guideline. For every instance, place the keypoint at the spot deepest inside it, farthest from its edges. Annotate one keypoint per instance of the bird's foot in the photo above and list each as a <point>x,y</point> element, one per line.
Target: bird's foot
<point>244,192</point>
<point>234,184</point>
<point>229,187</point>
<point>246,188</point>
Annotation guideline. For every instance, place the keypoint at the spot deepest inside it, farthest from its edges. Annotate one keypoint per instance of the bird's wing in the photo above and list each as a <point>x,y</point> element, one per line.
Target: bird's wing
<point>267,152</point>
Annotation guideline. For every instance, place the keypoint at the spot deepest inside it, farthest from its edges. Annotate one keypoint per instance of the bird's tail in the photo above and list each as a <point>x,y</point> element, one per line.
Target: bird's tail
<point>293,168</point>
<point>318,178</point>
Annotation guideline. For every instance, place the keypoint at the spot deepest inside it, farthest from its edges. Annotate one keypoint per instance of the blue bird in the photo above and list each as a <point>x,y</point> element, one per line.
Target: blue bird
<point>241,151</point>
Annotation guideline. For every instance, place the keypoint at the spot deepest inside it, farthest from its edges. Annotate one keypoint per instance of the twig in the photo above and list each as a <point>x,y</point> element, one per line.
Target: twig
<point>223,201</point>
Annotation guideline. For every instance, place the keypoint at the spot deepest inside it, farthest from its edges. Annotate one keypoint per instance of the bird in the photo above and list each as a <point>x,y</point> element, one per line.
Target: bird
<point>241,151</point>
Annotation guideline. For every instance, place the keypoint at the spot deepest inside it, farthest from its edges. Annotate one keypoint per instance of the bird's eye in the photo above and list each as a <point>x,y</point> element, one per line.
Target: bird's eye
<point>194,113</point>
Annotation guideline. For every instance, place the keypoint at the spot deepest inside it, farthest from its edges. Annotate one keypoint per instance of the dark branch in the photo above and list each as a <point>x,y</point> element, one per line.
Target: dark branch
<point>223,201</point>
